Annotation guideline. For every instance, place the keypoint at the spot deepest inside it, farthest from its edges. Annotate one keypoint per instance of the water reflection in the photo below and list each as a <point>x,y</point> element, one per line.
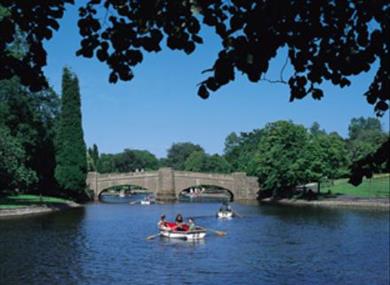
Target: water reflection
<point>126,199</point>
<point>106,244</point>
<point>180,242</point>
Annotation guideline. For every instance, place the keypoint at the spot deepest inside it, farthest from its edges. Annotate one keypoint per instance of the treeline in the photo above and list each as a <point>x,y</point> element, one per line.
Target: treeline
<point>282,154</point>
<point>181,156</point>
<point>42,148</point>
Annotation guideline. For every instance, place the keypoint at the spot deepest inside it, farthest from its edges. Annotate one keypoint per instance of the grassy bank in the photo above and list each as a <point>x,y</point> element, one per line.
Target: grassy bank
<point>24,200</point>
<point>376,187</point>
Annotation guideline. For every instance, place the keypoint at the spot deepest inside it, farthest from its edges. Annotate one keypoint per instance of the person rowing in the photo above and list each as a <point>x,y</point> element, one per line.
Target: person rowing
<point>162,223</point>
<point>180,226</point>
<point>191,225</point>
<point>180,230</point>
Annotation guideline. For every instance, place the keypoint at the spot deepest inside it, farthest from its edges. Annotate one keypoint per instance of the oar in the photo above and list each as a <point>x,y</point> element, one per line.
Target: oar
<point>152,236</point>
<point>218,233</point>
<point>135,202</point>
<point>237,214</point>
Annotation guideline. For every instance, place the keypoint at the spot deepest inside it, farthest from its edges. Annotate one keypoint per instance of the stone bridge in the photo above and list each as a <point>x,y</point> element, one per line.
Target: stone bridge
<point>167,183</point>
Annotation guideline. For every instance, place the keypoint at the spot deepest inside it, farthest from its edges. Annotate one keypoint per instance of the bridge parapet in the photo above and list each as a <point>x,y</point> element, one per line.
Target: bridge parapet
<point>118,175</point>
<point>204,175</point>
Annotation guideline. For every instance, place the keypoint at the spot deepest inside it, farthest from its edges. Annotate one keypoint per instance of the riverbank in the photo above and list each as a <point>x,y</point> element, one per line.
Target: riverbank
<point>343,201</point>
<point>26,205</point>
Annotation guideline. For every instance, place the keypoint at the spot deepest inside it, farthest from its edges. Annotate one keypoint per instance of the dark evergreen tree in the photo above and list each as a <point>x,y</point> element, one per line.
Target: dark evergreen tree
<point>95,154</point>
<point>71,169</point>
<point>93,158</point>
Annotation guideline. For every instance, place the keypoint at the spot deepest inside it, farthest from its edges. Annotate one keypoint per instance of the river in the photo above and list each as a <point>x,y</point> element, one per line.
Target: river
<point>105,244</point>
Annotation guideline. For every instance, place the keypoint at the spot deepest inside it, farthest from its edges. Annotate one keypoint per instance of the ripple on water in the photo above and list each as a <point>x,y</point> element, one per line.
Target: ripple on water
<point>105,244</point>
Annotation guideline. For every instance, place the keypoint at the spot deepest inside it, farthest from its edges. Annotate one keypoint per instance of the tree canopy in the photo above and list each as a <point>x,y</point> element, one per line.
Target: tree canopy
<point>178,154</point>
<point>36,21</point>
<point>128,160</point>
<point>13,171</point>
<point>369,148</point>
<point>281,163</point>
<point>28,120</point>
<point>199,161</point>
<point>181,156</point>
<point>326,40</point>
<point>239,150</point>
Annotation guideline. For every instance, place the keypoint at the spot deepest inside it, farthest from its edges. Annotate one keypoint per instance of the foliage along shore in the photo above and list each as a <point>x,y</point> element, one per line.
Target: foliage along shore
<point>27,205</point>
<point>372,193</point>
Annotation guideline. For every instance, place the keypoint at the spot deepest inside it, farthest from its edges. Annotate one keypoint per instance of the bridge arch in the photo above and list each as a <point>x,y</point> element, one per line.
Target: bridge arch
<point>207,191</point>
<point>130,188</point>
<point>101,182</point>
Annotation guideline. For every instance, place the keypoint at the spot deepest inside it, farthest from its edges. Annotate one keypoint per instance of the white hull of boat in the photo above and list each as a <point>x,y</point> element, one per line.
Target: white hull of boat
<point>143,202</point>
<point>225,215</point>
<point>192,235</point>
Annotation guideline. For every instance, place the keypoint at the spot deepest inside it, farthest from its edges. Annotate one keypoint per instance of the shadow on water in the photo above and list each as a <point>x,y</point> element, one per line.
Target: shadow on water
<point>34,249</point>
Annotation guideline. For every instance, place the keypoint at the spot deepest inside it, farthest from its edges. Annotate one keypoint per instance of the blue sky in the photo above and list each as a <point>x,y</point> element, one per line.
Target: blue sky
<point>160,105</point>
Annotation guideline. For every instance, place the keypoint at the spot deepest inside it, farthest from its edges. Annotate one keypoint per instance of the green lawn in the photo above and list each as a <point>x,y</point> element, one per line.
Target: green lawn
<point>23,200</point>
<point>376,187</point>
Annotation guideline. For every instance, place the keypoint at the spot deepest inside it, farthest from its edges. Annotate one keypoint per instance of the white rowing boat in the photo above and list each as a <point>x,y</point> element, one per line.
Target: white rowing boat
<point>198,233</point>
<point>145,202</point>
<point>225,214</point>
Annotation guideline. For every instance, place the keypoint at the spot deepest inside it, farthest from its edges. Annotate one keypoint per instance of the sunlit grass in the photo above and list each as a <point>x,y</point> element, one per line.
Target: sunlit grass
<point>376,187</point>
<point>23,200</point>
<point>6,206</point>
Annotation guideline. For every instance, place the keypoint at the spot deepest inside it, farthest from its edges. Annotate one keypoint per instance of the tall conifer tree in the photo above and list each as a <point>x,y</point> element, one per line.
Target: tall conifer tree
<point>71,169</point>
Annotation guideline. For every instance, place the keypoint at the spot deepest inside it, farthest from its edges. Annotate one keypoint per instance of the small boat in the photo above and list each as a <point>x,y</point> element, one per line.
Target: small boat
<point>148,200</point>
<point>198,233</point>
<point>191,195</point>
<point>225,214</point>
<point>169,231</point>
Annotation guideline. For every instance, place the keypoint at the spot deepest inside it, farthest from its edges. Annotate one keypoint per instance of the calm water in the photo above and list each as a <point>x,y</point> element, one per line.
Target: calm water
<point>105,244</point>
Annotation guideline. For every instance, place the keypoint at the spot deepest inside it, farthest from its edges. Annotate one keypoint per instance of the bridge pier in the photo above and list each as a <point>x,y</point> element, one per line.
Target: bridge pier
<point>245,187</point>
<point>166,185</point>
<point>92,182</point>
